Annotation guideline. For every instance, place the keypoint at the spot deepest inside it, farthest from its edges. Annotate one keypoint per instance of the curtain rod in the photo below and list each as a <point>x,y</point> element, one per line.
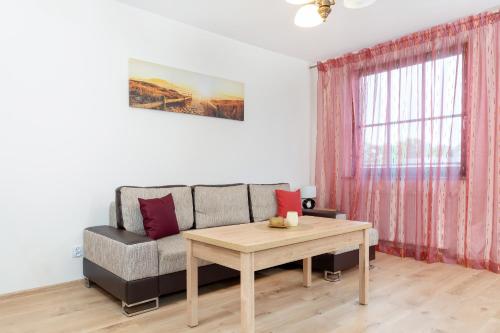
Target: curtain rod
<point>490,10</point>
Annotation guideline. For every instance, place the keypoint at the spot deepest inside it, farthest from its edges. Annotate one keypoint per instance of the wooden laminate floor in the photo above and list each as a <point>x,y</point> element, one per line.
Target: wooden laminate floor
<point>405,296</point>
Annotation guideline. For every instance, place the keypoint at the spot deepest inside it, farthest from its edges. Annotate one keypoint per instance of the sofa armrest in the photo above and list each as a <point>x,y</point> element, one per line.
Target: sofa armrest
<point>123,253</point>
<point>320,212</point>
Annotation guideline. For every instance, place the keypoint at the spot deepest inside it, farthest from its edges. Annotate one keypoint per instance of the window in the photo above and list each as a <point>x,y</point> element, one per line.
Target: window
<point>412,116</point>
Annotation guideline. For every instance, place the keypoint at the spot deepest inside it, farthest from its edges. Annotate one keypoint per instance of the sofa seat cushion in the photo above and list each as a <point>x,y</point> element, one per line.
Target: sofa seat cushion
<point>128,213</point>
<point>172,254</point>
<point>220,205</point>
<point>373,241</point>
<point>263,204</point>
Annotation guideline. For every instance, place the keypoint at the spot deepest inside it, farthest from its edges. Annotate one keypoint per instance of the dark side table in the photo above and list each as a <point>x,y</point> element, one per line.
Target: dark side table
<point>331,264</point>
<point>320,212</point>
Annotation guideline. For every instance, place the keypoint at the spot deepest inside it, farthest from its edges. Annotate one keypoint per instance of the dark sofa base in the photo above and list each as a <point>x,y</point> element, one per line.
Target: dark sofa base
<point>175,282</point>
<point>339,262</point>
<point>136,291</point>
<point>129,292</point>
<point>140,290</point>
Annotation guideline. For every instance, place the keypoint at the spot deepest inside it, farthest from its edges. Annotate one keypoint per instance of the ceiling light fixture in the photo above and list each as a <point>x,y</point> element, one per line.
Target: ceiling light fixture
<point>314,12</point>
<point>307,16</point>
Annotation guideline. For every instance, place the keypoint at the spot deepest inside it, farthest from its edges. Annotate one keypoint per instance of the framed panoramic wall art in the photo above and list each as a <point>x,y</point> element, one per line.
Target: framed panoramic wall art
<point>164,88</point>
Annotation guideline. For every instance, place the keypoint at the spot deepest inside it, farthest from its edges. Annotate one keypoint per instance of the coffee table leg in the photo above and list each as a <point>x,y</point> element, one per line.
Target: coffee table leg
<point>364,268</point>
<point>307,270</point>
<point>191,286</point>
<point>247,288</point>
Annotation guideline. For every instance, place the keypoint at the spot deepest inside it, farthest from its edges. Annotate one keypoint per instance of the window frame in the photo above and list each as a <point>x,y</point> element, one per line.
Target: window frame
<point>392,171</point>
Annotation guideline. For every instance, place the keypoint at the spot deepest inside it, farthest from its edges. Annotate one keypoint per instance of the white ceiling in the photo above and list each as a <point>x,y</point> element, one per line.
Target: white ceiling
<point>269,23</point>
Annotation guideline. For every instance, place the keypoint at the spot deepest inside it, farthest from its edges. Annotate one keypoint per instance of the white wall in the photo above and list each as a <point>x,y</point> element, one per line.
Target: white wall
<point>68,137</point>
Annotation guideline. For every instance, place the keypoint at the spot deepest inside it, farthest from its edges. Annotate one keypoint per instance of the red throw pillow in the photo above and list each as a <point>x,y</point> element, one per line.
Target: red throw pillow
<point>288,202</point>
<point>158,217</point>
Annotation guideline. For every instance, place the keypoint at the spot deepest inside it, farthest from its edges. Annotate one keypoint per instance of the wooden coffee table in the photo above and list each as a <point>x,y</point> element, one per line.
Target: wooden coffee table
<point>254,246</point>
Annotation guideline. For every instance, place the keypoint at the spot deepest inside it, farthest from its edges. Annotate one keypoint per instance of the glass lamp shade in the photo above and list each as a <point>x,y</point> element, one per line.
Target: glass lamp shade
<point>307,16</point>
<point>298,2</point>
<point>355,4</point>
<point>308,192</point>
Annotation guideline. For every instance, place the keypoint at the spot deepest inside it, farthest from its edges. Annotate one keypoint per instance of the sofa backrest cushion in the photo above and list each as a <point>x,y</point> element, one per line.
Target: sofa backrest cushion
<point>112,215</point>
<point>263,204</point>
<point>128,213</point>
<point>218,205</point>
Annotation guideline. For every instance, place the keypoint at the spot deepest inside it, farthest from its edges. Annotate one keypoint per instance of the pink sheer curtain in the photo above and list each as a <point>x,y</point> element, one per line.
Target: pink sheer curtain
<point>409,139</point>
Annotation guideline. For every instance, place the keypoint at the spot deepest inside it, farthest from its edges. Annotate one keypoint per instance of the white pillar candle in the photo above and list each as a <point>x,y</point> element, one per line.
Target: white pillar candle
<point>292,219</point>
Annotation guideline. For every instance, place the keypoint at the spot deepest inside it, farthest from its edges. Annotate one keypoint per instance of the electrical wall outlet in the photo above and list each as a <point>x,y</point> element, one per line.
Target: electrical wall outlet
<point>77,252</point>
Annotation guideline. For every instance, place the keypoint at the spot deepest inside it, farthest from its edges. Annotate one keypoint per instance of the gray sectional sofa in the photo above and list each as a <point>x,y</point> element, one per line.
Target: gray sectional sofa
<point>121,259</point>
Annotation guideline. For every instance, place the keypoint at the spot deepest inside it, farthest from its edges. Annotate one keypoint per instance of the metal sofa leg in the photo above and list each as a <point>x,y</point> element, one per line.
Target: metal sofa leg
<point>135,309</point>
<point>88,283</point>
<point>333,276</point>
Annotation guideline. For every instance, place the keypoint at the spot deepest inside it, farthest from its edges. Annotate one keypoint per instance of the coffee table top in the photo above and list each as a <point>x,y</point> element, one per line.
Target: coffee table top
<point>253,237</point>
